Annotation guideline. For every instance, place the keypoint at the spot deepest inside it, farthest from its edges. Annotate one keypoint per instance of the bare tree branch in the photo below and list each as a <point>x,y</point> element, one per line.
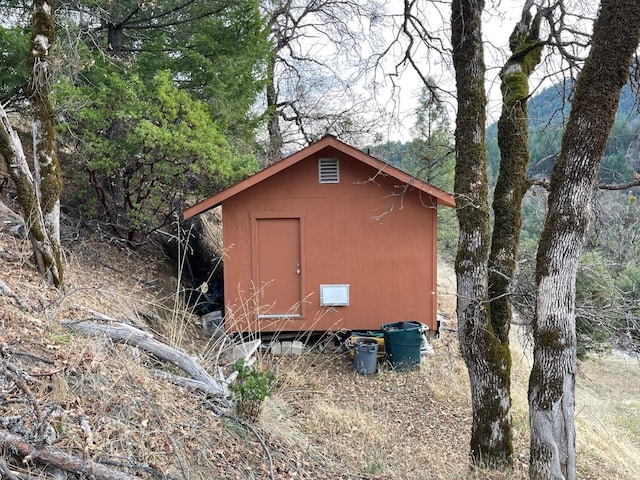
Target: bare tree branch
<point>53,457</point>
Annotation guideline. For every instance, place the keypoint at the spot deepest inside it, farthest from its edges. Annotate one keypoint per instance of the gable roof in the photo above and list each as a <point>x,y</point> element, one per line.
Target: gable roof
<point>442,197</point>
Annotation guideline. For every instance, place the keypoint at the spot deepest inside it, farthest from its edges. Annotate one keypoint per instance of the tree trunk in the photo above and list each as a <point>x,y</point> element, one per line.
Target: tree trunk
<point>38,194</point>
<point>486,357</point>
<point>45,160</point>
<point>512,183</point>
<point>273,117</point>
<point>510,188</point>
<point>47,256</point>
<point>552,382</point>
<point>115,32</point>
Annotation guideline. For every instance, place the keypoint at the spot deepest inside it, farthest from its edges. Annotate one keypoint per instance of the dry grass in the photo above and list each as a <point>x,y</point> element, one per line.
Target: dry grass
<point>391,425</point>
<point>608,417</point>
<point>323,421</point>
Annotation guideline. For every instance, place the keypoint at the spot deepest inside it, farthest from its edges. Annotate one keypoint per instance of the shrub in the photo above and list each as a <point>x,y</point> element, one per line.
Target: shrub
<point>249,389</point>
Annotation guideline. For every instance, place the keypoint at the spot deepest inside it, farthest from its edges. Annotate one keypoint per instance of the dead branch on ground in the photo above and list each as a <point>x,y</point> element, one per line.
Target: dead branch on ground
<point>53,457</point>
<point>123,333</point>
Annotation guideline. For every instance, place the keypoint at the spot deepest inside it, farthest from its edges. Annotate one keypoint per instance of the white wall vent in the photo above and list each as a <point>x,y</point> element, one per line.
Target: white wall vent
<point>328,170</point>
<point>334,295</point>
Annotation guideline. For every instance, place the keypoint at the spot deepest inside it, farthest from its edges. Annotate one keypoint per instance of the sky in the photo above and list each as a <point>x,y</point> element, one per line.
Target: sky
<point>499,22</point>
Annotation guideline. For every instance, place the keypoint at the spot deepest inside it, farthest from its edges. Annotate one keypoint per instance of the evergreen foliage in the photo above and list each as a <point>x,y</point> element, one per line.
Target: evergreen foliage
<point>251,386</point>
<point>219,59</point>
<point>14,46</point>
<point>548,112</point>
<point>144,147</point>
<point>140,139</point>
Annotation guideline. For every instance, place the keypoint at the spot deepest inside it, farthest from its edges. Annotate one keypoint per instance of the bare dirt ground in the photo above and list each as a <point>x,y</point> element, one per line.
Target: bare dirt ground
<point>97,401</point>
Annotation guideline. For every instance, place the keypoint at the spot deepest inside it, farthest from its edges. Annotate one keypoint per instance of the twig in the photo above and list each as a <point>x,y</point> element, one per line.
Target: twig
<point>154,407</point>
<point>141,468</point>
<point>6,473</point>
<point>86,430</point>
<point>13,373</point>
<point>6,290</point>
<point>27,354</point>
<point>251,428</point>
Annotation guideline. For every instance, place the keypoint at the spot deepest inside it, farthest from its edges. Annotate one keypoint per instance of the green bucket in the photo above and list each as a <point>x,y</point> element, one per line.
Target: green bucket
<point>402,341</point>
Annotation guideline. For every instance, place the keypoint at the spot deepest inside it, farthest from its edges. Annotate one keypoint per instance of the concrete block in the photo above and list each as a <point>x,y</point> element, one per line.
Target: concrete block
<point>287,348</point>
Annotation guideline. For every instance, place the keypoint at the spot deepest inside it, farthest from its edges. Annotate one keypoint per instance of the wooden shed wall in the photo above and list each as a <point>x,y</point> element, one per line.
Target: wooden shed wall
<point>389,262</point>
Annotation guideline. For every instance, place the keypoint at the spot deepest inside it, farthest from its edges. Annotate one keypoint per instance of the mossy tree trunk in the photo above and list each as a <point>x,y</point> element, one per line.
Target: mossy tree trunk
<point>552,383</point>
<point>482,350</point>
<point>38,193</point>
<point>512,183</point>
<point>511,186</point>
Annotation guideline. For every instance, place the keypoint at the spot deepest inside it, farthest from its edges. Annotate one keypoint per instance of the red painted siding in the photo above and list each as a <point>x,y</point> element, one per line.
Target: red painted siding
<point>364,231</point>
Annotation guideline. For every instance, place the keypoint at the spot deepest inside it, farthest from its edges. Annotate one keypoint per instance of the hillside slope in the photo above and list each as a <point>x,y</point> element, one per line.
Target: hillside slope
<point>99,404</point>
<point>98,400</point>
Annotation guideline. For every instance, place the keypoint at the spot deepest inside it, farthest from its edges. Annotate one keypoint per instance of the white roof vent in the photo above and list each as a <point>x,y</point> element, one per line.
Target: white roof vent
<point>328,170</point>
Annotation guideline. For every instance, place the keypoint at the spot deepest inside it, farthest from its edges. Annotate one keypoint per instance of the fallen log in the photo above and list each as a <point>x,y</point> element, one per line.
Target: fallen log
<point>122,333</point>
<point>53,457</point>
<point>185,382</point>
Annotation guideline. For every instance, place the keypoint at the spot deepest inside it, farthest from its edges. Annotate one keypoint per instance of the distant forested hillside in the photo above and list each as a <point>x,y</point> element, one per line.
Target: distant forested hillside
<point>548,112</point>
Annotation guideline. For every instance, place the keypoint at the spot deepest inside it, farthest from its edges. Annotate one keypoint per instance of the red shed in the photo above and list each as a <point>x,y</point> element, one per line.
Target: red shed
<point>328,238</point>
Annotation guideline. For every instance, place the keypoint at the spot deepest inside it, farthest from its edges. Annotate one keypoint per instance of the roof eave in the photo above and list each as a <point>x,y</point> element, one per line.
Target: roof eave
<point>442,197</point>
